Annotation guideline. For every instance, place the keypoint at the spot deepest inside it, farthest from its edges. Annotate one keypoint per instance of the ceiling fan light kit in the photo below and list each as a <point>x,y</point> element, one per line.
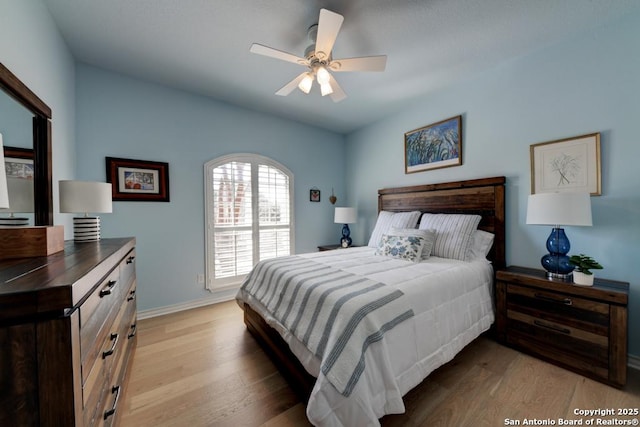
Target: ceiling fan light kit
<point>319,60</point>
<point>306,83</point>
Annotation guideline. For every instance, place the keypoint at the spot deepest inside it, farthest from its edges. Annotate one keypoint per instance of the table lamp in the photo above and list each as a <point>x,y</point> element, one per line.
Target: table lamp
<point>85,197</point>
<point>20,201</point>
<point>345,216</point>
<point>558,209</point>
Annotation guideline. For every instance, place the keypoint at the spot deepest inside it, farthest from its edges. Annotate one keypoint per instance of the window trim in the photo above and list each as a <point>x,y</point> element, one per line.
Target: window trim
<point>253,159</point>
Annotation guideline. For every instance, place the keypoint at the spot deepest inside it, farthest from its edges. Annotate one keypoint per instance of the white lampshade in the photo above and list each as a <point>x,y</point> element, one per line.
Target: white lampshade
<point>322,75</point>
<point>305,83</point>
<point>326,89</point>
<point>85,197</point>
<point>4,192</point>
<point>345,216</point>
<point>559,209</point>
<point>20,195</point>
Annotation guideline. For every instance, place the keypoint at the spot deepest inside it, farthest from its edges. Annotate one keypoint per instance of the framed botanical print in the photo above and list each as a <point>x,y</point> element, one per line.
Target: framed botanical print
<point>567,165</point>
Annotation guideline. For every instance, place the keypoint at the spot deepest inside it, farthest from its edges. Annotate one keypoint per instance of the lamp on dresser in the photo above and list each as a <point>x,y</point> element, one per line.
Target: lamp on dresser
<point>345,216</point>
<point>558,209</point>
<point>20,201</point>
<point>85,197</point>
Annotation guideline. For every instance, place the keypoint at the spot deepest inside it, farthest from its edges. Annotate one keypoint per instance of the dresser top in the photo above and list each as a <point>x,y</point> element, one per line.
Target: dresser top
<point>54,283</point>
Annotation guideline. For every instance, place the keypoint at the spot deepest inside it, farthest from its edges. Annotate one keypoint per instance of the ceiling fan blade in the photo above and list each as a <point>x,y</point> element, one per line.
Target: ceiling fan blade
<point>338,94</point>
<point>291,86</point>
<point>329,25</point>
<point>277,54</point>
<point>365,63</point>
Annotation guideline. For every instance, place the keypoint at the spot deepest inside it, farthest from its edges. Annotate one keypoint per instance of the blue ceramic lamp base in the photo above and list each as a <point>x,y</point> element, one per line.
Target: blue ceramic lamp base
<point>556,262</point>
<point>345,241</point>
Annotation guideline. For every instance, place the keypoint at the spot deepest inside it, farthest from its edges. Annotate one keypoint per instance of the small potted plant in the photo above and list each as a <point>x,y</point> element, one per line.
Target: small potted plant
<point>582,275</point>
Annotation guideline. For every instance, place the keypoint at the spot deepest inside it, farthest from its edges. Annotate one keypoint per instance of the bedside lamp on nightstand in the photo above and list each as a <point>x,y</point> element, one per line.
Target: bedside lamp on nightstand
<point>558,209</point>
<point>345,216</point>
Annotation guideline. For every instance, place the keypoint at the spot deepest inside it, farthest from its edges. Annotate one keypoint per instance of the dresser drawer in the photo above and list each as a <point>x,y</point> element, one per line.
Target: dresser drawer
<point>111,407</point>
<point>102,370</point>
<point>102,306</point>
<point>128,268</point>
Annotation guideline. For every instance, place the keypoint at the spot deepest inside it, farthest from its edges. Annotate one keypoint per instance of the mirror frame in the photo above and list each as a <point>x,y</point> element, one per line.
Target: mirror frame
<point>42,180</point>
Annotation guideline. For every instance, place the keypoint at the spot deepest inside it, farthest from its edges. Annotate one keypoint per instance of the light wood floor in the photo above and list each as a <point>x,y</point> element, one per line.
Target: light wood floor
<point>202,368</point>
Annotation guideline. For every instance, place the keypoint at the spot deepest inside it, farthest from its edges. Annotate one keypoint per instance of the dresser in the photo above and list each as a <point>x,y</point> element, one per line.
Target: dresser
<point>579,328</point>
<point>67,334</point>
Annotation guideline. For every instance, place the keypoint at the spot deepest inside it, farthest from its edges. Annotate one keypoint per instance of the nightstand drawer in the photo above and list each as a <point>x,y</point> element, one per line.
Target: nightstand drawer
<point>558,308</point>
<point>560,330</point>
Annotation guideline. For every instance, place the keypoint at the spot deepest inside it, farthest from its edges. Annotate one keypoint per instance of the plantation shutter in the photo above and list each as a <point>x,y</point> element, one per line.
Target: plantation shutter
<point>248,214</point>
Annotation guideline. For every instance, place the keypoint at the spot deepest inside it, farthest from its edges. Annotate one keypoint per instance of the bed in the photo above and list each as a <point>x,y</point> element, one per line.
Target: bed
<point>332,398</point>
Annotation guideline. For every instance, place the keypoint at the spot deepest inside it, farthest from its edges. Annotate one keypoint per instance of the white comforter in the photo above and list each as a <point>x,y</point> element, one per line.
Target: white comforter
<point>452,304</point>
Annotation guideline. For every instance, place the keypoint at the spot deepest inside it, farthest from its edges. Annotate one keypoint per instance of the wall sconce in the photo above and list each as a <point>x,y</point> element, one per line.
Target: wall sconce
<point>85,197</point>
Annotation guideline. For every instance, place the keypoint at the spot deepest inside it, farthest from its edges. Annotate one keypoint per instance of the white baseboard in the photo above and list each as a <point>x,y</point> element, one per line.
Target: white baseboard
<point>633,361</point>
<point>216,297</point>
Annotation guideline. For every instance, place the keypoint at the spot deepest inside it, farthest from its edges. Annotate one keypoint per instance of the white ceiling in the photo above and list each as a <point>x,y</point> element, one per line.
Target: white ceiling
<point>202,46</point>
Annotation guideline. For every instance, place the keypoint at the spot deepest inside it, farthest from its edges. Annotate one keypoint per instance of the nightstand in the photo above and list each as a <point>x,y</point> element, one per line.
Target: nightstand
<point>580,328</point>
<point>323,248</point>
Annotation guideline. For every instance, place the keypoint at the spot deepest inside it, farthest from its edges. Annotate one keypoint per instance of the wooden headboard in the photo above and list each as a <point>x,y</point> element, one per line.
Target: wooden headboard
<point>484,197</point>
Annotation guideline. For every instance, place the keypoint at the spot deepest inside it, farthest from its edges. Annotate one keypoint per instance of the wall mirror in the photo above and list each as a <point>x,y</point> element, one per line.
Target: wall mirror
<point>25,122</point>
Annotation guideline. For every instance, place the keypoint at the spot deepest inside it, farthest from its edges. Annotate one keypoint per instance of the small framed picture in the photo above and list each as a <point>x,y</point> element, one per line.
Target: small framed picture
<point>570,164</point>
<point>314,195</point>
<point>19,163</point>
<point>138,180</point>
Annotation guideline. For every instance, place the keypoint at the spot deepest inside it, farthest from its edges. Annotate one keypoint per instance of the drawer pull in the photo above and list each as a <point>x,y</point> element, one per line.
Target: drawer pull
<point>132,295</point>
<point>565,301</point>
<point>134,329</point>
<point>107,289</point>
<point>130,259</point>
<point>114,338</point>
<point>552,327</point>
<point>115,389</point>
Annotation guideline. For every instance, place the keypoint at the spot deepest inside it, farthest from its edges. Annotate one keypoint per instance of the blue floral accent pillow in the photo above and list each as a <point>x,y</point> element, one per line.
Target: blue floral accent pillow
<point>408,248</point>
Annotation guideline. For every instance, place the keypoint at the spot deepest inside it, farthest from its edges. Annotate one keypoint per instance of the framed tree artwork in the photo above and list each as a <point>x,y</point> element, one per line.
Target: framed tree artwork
<point>438,145</point>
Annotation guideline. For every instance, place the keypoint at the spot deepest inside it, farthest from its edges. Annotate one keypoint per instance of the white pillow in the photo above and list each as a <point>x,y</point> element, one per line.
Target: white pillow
<point>481,242</point>
<point>453,233</point>
<point>387,219</point>
<point>408,248</point>
<point>429,237</point>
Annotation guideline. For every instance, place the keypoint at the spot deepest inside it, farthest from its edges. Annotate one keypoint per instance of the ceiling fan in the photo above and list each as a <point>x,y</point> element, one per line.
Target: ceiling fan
<point>318,59</point>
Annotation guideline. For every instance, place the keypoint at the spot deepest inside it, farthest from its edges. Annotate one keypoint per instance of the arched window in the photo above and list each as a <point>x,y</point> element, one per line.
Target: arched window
<point>249,215</point>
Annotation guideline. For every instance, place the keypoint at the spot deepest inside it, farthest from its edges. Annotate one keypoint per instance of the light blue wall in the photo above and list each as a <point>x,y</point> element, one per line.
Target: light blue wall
<point>120,116</point>
<point>588,84</point>
<point>32,49</point>
<point>584,85</point>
